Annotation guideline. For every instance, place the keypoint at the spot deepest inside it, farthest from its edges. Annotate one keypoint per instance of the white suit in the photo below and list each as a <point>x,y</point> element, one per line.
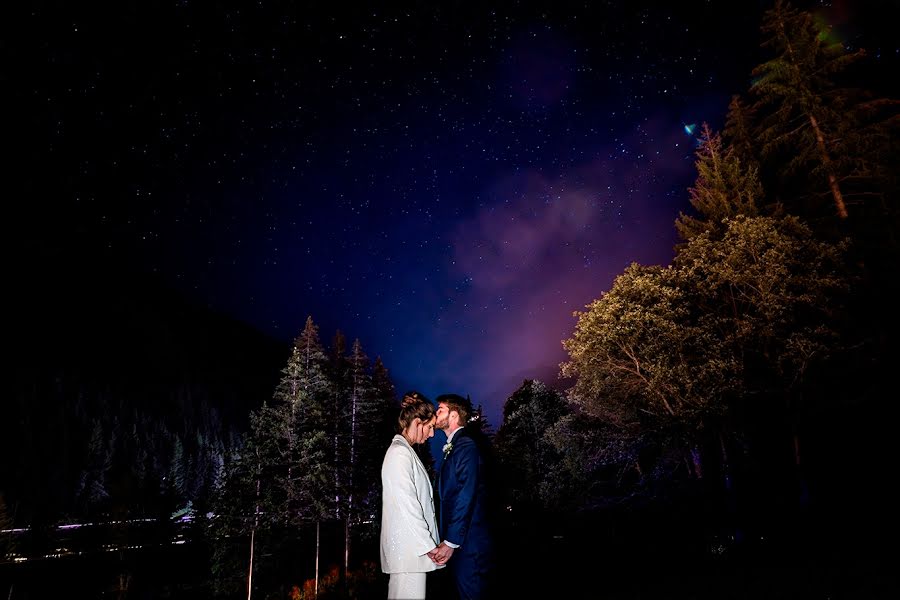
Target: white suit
<point>408,525</point>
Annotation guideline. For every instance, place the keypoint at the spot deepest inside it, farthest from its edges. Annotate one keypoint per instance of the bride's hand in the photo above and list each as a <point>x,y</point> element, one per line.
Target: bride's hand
<point>441,554</point>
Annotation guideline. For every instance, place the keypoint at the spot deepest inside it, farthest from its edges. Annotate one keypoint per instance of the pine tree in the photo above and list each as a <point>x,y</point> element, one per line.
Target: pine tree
<point>312,373</point>
<point>385,399</point>
<point>724,188</point>
<point>283,467</point>
<point>280,480</point>
<point>299,401</point>
<point>339,418</point>
<point>358,479</point>
<point>92,485</point>
<point>362,416</point>
<point>738,134</point>
<point>379,429</point>
<point>178,476</point>
<point>806,120</point>
<point>7,542</point>
<point>307,457</point>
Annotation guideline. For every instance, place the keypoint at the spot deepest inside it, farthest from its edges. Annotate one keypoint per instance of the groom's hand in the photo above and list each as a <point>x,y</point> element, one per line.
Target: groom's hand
<point>441,554</point>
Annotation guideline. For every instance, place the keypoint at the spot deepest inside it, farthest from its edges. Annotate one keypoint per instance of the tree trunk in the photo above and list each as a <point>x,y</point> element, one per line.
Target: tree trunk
<point>250,574</point>
<point>697,462</point>
<point>253,541</point>
<point>318,546</point>
<point>826,162</point>
<point>346,550</point>
<point>726,469</point>
<point>353,409</point>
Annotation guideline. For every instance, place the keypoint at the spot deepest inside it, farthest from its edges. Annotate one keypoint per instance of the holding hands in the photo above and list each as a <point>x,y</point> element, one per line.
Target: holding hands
<point>441,554</point>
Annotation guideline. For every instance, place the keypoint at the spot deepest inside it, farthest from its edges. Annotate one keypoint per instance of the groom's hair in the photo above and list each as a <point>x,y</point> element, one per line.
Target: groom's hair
<point>462,406</point>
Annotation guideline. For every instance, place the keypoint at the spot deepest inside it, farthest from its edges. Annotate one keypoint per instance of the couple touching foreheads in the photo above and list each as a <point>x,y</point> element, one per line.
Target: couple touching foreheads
<point>416,539</point>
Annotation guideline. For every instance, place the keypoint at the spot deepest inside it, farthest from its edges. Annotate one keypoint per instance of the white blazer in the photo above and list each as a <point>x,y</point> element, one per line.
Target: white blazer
<point>408,525</point>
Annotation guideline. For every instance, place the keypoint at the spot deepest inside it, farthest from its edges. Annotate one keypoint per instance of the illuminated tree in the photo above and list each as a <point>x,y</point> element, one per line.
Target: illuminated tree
<point>767,289</point>
<point>638,354</point>
<point>280,479</point>
<point>724,188</point>
<point>664,356</point>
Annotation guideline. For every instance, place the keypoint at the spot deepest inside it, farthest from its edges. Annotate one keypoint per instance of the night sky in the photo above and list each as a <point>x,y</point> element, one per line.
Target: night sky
<point>445,183</point>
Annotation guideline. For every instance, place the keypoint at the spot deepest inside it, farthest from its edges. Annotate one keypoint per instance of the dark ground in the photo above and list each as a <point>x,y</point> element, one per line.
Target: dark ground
<point>622,557</point>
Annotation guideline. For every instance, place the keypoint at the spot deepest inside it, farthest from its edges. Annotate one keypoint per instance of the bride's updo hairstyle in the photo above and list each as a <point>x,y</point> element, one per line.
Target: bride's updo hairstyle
<point>414,405</point>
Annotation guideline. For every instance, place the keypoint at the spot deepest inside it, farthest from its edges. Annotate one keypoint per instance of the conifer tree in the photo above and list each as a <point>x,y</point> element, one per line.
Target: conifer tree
<point>339,420</point>
<point>6,523</point>
<point>738,134</point>
<point>178,476</point>
<point>92,485</point>
<point>300,400</point>
<point>724,188</point>
<point>364,414</point>
<point>386,405</point>
<point>280,479</point>
<point>385,401</point>
<point>358,480</point>
<point>312,371</point>
<point>807,119</point>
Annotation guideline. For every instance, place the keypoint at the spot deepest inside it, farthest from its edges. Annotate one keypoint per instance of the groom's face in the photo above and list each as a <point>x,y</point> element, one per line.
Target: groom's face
<point>443,417</point>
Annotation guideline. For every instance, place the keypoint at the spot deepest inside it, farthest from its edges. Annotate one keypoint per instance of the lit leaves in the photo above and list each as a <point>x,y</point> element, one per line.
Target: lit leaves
<point>668,347</point>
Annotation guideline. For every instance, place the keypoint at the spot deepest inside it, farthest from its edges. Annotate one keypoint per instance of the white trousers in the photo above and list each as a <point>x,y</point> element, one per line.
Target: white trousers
<point>406,586</point>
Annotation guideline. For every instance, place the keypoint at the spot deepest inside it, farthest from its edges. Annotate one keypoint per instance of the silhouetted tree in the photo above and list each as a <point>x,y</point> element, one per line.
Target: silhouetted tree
<point>7,541</point>
<point>525,454</point>
<point>739,132</point>
<point>806,119</point>
<point>92,489</point>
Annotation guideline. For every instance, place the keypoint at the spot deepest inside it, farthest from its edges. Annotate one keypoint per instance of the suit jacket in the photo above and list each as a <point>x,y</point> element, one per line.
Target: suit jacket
<point>408,525</point>
<point>462,491</point>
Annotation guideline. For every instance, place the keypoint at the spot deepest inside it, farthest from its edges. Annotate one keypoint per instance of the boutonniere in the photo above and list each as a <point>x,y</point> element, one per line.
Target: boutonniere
<point>447,448</point>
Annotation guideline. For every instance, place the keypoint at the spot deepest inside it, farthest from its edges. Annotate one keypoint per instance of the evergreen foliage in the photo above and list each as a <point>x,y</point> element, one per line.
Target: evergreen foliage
<point>822,138</point>
<point>724,188</point>
<point>7,541</point>
<point>738,134</point>
<point>312,456</point>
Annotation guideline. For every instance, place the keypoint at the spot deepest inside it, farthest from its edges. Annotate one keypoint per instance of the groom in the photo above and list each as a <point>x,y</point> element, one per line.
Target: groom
<point>462,493</point>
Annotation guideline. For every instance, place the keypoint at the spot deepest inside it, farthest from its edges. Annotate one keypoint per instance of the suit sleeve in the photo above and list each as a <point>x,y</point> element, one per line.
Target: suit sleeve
<point>402,499</point>
<point>467,470</point>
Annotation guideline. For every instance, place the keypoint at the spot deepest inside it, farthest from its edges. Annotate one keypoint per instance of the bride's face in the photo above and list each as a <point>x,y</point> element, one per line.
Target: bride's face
<point>419,431</point>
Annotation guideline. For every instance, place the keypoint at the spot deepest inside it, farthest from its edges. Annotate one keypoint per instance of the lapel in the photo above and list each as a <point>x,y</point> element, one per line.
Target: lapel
<point>417,462</point>
<point>460,433</point>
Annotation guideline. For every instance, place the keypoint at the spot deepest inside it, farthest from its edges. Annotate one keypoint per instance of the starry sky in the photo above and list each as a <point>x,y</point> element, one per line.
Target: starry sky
<point>446,183</point>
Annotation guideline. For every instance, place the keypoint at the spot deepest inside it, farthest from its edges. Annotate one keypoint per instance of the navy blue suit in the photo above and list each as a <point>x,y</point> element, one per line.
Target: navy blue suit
<point>464,515</point>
